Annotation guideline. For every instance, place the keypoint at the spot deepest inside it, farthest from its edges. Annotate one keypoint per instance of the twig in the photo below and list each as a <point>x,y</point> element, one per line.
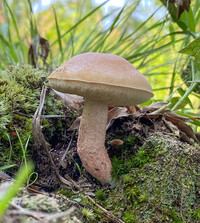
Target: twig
<point>60,215</point>
<point>110,216</point>
<point>39,216</point>
<point>70,142</point>
<point>160,109</point>
<point>40,141</point>
<point>22,114</point>
<point>21,211</point>
<point>53,116</point>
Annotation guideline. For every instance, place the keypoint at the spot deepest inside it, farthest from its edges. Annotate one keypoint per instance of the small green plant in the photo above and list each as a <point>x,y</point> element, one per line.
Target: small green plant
<point>196,214</point>
<point>101,195</point>
<point>23,148</point>
<point>88,214</point>
<point>67,193</point>
<point>129,218</point>
<point>142,157</point>
<point>132,194</point>
<point>15,187</point>
<point>127,179</point>
<point>143,197</point>
<point>117,167</point>
<point>175,216</point>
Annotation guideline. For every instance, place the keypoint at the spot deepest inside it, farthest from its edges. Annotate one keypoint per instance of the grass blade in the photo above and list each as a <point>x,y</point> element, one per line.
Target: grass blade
<point>80,21</point>
<point>15,187</point>
<point>58,32</point>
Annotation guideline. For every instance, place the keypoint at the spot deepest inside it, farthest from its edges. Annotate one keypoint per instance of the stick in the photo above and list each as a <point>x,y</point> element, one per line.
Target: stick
<point>40,141</point>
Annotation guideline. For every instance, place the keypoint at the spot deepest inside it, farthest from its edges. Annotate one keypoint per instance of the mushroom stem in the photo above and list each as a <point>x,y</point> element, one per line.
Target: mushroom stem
<point>91,141</point>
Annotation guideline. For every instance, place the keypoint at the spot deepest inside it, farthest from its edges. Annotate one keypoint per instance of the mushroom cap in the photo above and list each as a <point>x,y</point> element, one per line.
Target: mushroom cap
<point>106,78</point>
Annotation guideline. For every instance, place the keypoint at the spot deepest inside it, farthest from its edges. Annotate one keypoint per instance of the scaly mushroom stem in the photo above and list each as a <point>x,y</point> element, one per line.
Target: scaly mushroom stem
<point>91,141</point>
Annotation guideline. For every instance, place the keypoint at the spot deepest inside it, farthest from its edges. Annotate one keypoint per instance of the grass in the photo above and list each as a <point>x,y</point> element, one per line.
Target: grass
<point>14,187</point>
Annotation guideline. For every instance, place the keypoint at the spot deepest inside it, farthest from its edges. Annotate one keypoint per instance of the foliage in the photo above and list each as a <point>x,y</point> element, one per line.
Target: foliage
<point>192,49</point>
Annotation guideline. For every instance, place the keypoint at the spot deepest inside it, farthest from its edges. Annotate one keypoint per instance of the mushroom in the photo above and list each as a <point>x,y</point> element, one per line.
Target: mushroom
<point>103,79</point>
<point>116,143</point>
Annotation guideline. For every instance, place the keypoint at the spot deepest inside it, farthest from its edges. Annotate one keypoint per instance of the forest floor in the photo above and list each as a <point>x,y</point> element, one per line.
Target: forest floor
<point>156,168</point>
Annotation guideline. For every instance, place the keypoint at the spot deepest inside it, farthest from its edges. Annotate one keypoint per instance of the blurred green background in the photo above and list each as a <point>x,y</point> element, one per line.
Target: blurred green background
<point>148,33</point>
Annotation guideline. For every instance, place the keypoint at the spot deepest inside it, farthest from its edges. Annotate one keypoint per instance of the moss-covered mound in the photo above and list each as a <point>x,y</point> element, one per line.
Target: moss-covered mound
<point>164,188</point>
<point>20,88</point>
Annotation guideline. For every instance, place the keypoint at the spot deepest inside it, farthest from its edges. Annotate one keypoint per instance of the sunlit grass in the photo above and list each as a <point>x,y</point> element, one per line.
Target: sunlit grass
<point>151,45</point>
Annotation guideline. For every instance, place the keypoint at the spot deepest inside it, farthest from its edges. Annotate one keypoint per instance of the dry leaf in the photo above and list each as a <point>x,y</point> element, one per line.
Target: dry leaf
<point>173,128</point>
<point>183,127</point>
<point>75,124</point>
<point>4,176</point>
<point>117,112</point>
<point>39,48</point>
<point>71,100</point>
<point>132,109</point>
<point>174,115</point>
<point>154,106</point>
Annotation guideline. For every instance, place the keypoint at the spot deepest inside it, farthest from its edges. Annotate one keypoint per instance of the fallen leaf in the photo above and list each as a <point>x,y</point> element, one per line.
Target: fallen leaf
<point>115,113</point>
<point>173,128</point>
<point>183,127</point>
<point>4,176</point>
<point>75,124</point>
<point>39,48</point>
<point>154,106</point>
<point>174,115</point>
<point>71,100</point>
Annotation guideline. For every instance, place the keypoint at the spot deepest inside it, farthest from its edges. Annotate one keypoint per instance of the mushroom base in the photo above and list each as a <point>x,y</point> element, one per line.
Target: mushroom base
<point>91,139</point>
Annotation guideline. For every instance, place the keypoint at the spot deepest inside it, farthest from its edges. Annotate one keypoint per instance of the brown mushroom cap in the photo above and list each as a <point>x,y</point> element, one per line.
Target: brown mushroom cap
<point>106,78</point>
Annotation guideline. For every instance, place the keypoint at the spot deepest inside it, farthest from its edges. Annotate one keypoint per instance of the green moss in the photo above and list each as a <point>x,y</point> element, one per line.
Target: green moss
<point>196,214</point>
<point>5,117</point>
<point>66,193</point>
<point>20,88</point>
<point>162,184</point>
<point>132,157</point>
<point>129,218</point>
<point>102,195</point>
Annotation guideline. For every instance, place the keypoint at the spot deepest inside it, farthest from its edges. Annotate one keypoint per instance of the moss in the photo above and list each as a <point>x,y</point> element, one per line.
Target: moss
<point>66,193</point>
<point>163,186</point>
<point>20,88</point>
<point>129,218</point>
<point>130,157</point>
<point>41,203</point>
